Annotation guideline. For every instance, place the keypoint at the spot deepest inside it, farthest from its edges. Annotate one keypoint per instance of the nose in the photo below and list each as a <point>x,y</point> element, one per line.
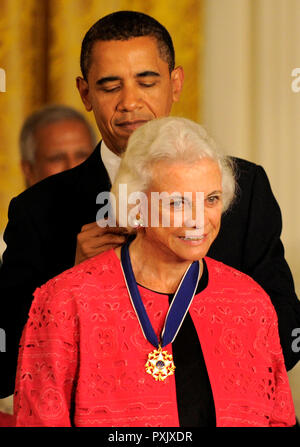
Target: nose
<point>195,215</point>
<point>130,99</point>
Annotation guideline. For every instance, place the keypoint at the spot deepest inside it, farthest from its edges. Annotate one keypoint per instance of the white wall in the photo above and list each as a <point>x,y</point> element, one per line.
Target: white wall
<point>251,48</point>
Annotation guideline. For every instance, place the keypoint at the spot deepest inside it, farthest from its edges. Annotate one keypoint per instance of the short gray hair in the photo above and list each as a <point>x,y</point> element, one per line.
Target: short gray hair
<point>42,117</point>
<point>173,139</point>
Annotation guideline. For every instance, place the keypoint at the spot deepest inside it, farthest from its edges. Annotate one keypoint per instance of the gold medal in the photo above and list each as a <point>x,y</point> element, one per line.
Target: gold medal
<point>160,364</point>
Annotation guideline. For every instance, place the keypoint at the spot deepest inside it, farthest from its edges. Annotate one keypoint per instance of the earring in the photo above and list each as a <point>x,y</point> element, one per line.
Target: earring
<point>138,221</point>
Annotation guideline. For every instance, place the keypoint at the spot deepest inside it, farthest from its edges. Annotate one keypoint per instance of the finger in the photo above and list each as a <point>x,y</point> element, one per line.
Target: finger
<point>110,229</point>
<point>98,228</point>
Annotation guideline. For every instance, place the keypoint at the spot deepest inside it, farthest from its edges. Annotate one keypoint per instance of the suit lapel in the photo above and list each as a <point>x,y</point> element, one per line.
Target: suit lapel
<point>93,179</point>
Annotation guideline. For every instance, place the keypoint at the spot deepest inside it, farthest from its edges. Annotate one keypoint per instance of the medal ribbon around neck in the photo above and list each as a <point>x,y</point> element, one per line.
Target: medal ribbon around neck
<point>175,316</point>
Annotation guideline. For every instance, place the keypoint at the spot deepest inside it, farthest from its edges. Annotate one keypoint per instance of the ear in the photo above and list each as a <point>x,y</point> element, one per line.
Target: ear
<point>177,78</point>
<point>28,173</point>
<point>83,88</point>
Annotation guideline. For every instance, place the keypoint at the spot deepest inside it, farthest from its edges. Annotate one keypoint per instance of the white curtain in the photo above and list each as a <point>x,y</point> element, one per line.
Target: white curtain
<point>250,105</point>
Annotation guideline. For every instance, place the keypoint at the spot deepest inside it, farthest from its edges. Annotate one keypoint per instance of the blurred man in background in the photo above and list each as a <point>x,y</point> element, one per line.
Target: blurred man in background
<point>52,139</point>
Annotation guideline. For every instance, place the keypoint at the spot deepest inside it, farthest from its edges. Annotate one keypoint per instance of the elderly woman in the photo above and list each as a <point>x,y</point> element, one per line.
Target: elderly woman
<point>154,333</point>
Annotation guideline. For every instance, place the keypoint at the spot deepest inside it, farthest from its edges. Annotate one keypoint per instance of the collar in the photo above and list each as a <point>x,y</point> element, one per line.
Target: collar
<point>110,160</point>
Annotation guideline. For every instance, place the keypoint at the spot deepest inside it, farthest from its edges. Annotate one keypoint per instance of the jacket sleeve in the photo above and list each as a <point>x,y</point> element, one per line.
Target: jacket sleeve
<point>20,274</point>
<point>47,364</point>
<point>263,260</point>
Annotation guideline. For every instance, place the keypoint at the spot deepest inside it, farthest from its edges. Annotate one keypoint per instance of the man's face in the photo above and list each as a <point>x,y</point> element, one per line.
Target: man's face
<point>59,146</point>
<point>128,84</point>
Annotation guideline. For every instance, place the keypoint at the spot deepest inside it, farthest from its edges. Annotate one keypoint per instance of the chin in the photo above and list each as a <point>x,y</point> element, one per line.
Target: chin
<point>191,256</point>
<point>192,253</point>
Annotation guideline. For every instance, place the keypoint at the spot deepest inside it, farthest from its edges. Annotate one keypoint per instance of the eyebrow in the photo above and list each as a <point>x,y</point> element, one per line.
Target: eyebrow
<point>143,74</point>
<point>214,192</point>
<point>107,79</point>
<point>147,73</point>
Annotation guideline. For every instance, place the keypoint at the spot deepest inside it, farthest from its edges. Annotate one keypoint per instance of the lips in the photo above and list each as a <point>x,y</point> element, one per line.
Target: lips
<point>193,239</point>
<point>130,126</point>
<point>195,234</point>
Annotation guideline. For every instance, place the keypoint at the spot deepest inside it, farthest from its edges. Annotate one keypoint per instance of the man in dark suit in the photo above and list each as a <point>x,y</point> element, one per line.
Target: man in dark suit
<point>129,77</point>
<point>53,138</point>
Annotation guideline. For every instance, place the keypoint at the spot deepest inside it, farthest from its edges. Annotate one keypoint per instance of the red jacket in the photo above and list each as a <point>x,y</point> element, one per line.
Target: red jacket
<point>83,348</point>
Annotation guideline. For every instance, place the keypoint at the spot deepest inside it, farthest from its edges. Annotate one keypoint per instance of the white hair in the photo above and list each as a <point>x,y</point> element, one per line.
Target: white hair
<point>173,139</point>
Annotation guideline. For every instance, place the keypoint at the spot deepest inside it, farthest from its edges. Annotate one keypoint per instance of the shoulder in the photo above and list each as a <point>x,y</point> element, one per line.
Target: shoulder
<point>232,278</point>
<point>235,287</point>
<point>247,172</point>
<point>61,302</point>
<point>253,190</point>
<point>56,188</point>
<point>238,290</point>
<point>89,277</point>
<point>50,188</point>
<point>243,166</point>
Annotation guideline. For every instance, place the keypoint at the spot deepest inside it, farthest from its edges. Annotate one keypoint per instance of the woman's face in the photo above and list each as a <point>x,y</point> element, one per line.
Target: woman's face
<point>193,202</point>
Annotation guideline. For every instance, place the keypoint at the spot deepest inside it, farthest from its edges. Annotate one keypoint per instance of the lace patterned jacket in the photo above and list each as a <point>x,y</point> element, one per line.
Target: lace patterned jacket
<point>82,355</point>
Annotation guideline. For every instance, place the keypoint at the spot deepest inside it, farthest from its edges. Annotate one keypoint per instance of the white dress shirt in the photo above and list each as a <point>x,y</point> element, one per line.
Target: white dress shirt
<point>110,160</point>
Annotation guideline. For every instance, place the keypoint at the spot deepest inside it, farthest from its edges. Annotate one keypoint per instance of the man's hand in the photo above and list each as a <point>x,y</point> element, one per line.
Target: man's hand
<point>93,240</point>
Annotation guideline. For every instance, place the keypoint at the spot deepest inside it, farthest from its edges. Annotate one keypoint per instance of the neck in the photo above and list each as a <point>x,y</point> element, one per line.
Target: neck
<point>115,150</point>
<point>155,269</point>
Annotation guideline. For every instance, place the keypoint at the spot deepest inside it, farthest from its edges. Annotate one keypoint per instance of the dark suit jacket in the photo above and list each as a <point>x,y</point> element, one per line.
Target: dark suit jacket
<point>45,220</point>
